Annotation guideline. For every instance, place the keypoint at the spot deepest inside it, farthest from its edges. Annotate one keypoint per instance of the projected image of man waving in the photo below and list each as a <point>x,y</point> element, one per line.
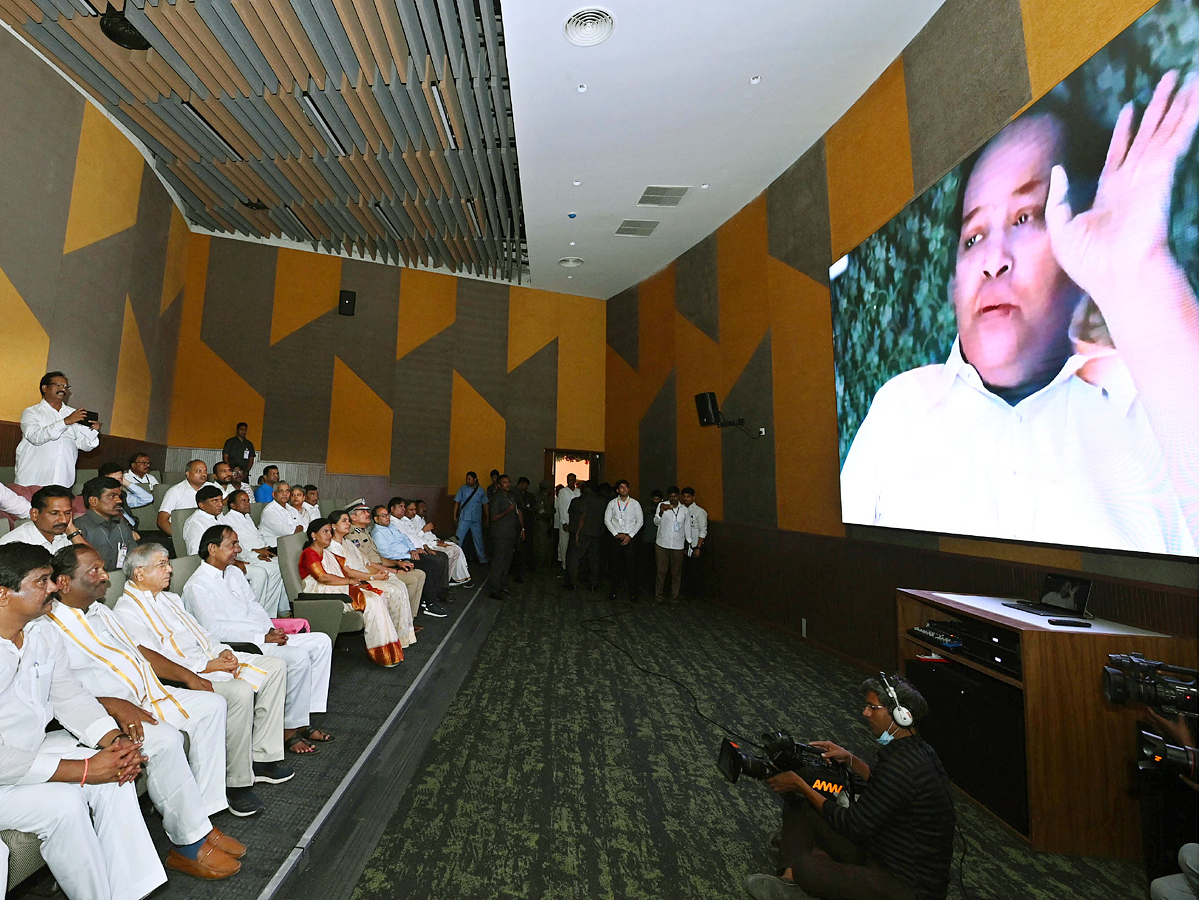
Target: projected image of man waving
<point>1067,410</point>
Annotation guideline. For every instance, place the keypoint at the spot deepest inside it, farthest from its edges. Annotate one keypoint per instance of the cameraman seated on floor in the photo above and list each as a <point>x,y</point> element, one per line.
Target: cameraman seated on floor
<point>895,841</point>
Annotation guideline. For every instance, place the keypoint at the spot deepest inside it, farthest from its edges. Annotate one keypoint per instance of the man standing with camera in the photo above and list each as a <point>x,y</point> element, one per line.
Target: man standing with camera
<point>896,841</point>
<point>52,434</point>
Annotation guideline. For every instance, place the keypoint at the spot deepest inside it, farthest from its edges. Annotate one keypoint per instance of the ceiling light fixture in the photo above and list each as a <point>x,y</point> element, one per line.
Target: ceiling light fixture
<point>121,31</point>
<point>705,185</point>
<point>441,108</point>
<point>388,224</point>
<point>577,182</point>
<point>297,223</point>
<point>755,79</point>
<point>582,89</point>
<point>212,132</point>
<point>318,121</point>
<point>474,218</point>
<point>589,26</point>
<point>570,262</point>
<point>571,243</point>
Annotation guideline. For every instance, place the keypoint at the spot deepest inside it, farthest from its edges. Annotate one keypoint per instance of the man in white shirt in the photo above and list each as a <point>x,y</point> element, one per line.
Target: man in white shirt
<point>256,559</point>
<point>139,470</point>
<point>562,506</point>
<point>182,495</point>
<point>421,534</point>
<point>82,803</point>
<point>278,519</point>
<point>185,789</point>
<point>220,598</point>
<point>52,434</point>
<point>1067,410</point>
<point>312,501</point>
<point>223,478</point>
<point>695,533</point>
<point>51,524</point>
<point>254,686</point>
<point>208,506</point>
<point>669,543</point>
<point>623,519</point>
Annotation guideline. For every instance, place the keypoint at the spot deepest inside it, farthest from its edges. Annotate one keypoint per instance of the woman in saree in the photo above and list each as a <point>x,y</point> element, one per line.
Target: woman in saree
<point>354,565</point>
<point>322,574</point>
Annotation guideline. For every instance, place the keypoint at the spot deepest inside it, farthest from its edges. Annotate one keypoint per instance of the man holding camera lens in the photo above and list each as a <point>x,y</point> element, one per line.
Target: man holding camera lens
<point>52,434</point>
<point>896,841</point>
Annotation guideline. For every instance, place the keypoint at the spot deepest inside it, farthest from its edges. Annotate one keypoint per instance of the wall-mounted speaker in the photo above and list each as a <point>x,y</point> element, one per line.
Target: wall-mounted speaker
<point>707,410</point>
<point>346,303</point>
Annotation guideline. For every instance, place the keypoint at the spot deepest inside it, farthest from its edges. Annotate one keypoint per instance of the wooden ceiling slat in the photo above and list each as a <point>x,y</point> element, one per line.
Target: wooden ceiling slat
<point>230,172</point>
<point>420,216</point>
<point>354,102</point>
<point>427,90</point>
<point>86,32</point>
<point>385,184</point>
<point>365,176</point>
<point>427,169</point>
<point>418,174</point>
<point>312,221</point>
<point>158,130</point>
<point>266,193</point>
<point>358,37</point>
<point>168,24</point>
<point>323,189</point>
<point>439,164</point>
<point>347,164</point>
<point>29,7</point>
<point>202,39</point>
<point>393,30</point>
<point>216,214</point>
<point>294,31</point>
<point>295,121</point>
<point>197,185</point>
<point>275,57</point>
<point>227,126</point>
<point>167,73</point>
<point>372,25</point>
<point>366,97</point>
<point>369,223</point>
<point>449,89</point>
<point>299,177</point>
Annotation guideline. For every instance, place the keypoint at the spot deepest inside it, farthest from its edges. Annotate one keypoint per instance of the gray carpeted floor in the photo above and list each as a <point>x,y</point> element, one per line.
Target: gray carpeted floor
<point>561,770</point>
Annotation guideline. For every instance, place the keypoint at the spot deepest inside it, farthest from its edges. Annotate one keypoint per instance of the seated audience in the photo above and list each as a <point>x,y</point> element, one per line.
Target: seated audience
<point>223,478</point>
<point>421,534</point>
<point>182,495</point>
<point>296,502</point>
<point>185,789</point>
<point>395,545</point>
<point>266,486</point>
<point>133,495</point>
<point>237,481</point>
<point>256,560</point>
<point>102,525</point>
<point>51,522</point>
<point>52,434</point>
<point>312,501</point>
<point>139,471</point>
<point>13,503</point>
<point>278,519</point>
<point>254,686</point>
<point>220,598</point>
<point>355,565</point>
<point>321,569</point>
<point>403,569</point>
<point>208,506</point>
<point>81,802</point>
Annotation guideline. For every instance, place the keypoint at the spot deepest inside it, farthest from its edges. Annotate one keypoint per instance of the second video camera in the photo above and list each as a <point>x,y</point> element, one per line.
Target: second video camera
<point>782,754</point>
<point>1170,690</point>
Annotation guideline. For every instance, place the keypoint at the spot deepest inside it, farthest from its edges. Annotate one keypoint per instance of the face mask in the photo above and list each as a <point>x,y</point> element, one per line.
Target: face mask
<point>885,738</point>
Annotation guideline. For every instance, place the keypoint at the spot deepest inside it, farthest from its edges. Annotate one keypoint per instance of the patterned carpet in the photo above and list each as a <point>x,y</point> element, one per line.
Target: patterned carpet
<point>562,771</point>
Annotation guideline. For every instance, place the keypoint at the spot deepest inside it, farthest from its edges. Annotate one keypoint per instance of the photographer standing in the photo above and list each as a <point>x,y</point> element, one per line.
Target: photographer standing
<point>896,841</point>
<point>52,434</point>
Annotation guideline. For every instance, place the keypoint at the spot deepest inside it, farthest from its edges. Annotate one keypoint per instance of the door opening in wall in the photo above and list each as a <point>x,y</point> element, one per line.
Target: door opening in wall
<point>587,465</point>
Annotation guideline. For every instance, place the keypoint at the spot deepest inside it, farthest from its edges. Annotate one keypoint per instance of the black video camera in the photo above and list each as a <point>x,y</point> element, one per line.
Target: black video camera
<point>1170,690</point>
<point>782,754</point>
<point>1156,755</point>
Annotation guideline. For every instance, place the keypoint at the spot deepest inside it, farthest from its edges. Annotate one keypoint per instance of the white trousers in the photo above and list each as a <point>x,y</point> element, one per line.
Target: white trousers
<point>187,789</point>
<point>564,538</point>
<point>267,584</point>
<point>308,658</point>
<point>93,837</point>
<point>253,719</point>
<point>458,561</point>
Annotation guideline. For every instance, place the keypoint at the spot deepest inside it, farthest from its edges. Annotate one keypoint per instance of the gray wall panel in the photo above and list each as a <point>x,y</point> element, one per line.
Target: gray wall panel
<point>480,339</point>
<point>622,324</point>
<point>798,216</point>
<point>696,286</point>
<point>656,443</point>
<point>422,387</point>
<point>749,464</point>
<point>532,420</point>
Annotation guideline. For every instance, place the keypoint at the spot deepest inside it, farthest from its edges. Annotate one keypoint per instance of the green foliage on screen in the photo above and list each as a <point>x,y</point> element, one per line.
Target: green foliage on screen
<point>891,307</point>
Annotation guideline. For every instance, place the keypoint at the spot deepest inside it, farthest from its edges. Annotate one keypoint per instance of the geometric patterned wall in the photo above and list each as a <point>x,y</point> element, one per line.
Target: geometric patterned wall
<point>745,313</point>
<point>91,255</point>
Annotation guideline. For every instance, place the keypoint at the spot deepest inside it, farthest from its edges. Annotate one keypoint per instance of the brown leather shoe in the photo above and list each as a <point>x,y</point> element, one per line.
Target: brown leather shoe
<point>226,844</point>
<point>210,863</point>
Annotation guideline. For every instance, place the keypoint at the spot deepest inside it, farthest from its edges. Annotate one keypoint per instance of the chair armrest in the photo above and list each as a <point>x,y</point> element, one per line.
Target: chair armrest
<point>245,647</point>
<point>323,611</point>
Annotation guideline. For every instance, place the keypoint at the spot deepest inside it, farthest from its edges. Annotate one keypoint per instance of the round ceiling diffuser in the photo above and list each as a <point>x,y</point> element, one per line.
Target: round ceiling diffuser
<point>570,262</point>
<point>588,27</point>
<point>121,31</point>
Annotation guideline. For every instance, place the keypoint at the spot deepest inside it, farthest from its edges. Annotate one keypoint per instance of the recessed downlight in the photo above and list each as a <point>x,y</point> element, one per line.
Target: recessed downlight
<point>577,182</point>
<point>704,185</point>
<point>755,79</point>
<point>582,88</point>
<point>570,262</point>
<point>571,243</point>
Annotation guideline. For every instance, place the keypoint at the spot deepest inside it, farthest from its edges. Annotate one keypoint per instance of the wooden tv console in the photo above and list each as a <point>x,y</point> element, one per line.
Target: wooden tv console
<point>1080,749</point>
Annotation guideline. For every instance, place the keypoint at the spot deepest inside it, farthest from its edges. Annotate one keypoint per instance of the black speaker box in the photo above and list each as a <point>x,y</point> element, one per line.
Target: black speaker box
<point>346,303</point>
<point>706,409</point>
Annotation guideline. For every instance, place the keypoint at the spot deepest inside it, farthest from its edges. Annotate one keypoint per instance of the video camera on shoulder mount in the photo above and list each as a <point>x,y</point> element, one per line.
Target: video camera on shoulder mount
<point>782,754</point>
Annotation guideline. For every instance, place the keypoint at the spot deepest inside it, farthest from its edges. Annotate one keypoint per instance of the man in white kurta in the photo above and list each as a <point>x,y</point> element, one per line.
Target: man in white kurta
<point>254,686</point>
<point>182,495</point>
<point>51,524</point>
<point>257,561</point>
<point>208,507</point>
<point>220,598</point>
<point>422,534</point>
<point>278,519</point>
<point>94,838</point>
<point>52,434</point>
<point>562,506</point>
<point>139,471</point>
<point>185,789</point>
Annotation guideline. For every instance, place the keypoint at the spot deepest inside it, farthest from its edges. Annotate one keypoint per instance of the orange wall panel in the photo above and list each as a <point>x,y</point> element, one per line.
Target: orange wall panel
<point>428,305</point>
<point>581,371</point>
<point>306,287</point>
<point>360,426</point>
<point>476,433</point>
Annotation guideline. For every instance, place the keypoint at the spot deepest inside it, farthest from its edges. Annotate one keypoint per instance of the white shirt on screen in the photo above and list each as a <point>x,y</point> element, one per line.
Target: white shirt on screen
<point>48,448</point>
<point>1074,463</point>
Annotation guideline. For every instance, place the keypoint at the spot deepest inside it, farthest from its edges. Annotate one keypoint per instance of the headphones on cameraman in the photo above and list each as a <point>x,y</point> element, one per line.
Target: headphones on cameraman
<point>900,714</point>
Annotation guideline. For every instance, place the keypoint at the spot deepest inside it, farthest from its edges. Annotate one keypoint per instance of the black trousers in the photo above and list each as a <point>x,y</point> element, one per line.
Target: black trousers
<point>436,567</point>
<point>504,544</point>
<point>524,561</point>
<point>587,551</point>
<point>693,574</point>
<point>623,566</point>
<point>828,865</point>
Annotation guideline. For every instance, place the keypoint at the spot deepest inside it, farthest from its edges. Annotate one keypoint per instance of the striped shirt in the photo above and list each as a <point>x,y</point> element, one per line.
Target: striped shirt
<point>904,817</point>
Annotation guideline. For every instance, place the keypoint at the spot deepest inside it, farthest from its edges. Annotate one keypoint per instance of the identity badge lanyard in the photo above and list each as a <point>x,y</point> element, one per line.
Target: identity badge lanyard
<point>678,521</point>
<point>121,551</point>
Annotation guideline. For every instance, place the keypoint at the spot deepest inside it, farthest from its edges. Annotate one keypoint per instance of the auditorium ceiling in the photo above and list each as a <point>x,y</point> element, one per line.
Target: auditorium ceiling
<point>445,135</point>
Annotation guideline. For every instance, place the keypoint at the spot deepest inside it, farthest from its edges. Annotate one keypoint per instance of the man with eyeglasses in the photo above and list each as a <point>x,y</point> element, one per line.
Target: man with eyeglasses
<point>896,841</point>
<point>52,434</point>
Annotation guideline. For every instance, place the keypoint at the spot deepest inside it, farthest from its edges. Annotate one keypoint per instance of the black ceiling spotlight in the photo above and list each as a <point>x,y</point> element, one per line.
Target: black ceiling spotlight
<point>256,205</point>
<point>120,30</point>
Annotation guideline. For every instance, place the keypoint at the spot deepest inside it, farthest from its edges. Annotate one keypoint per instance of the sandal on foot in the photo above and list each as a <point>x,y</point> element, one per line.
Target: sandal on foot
<point>296,744</point>
<point>307,731</point>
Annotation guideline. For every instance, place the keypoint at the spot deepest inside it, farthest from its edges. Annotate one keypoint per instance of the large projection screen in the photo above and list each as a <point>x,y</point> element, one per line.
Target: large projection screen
<point>1016,351</point>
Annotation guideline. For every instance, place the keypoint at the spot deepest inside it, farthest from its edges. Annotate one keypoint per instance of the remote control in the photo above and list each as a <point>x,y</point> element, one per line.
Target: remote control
<point>1072,623</point>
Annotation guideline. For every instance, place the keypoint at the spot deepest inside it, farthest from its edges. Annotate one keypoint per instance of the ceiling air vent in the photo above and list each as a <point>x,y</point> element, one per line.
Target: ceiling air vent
<point>120,30</point>
<point>662,195</point>
<point>637,227</point>
<point>588,27</point>
<point>570,262</point>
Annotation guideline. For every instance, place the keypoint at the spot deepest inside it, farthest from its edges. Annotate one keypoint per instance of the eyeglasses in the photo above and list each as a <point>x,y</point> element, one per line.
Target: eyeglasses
<point>59,384</point>
<point>873,706</point>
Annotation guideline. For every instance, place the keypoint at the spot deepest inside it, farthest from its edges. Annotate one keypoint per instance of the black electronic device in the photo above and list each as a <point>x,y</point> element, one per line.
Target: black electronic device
<point>89,417</point>
<point>1171,690</point>
<point>346,303</point>
<point>782,754</point>
<point>992,646</point>
<point>1070,623</point>
<point>707,409</point>
<point>941,634</point>
<point>1060,594</point>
